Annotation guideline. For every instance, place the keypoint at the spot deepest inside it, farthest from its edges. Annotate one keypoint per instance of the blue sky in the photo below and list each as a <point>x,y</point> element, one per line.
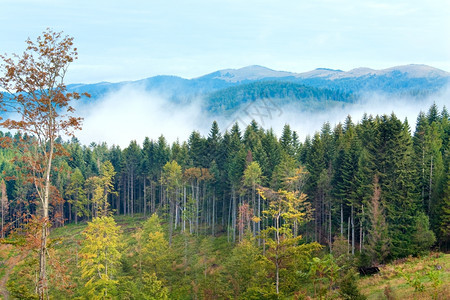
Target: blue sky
<point>129,40</point>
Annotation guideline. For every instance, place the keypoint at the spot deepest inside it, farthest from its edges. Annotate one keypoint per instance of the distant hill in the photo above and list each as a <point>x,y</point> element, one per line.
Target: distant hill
<point>226,89</point>
<point>395,79</point>
<point>252,73</point>
<point>281,92</point>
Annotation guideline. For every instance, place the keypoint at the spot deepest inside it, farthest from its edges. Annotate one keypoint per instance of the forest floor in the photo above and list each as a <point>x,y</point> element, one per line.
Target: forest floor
<point>8,260</point>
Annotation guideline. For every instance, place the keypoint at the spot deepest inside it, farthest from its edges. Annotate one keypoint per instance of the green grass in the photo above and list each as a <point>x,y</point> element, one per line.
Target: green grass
<point>70,234</point>
<point>410,278</point>
<point>401,279</point>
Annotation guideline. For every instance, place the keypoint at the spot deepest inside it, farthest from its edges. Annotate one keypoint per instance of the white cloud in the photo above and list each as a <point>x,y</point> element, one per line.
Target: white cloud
<point>307,122</point>
<point>133,114</point>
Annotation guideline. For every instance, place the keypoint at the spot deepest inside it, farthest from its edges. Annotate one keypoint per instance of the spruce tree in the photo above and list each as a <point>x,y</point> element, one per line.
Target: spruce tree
<point>399,193</point>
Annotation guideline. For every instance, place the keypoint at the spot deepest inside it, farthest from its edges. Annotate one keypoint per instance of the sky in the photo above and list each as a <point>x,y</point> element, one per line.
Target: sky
<point>131,40</point>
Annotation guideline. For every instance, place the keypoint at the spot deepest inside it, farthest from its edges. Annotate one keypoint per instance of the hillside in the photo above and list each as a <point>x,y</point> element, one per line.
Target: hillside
<point>282,92</point>
<point>217,202</point>
<point>427,277</point>
<point>410,79</point>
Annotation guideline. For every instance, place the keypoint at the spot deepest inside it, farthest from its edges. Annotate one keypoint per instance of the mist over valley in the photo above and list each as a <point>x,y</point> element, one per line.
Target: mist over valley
<point>173,106</point>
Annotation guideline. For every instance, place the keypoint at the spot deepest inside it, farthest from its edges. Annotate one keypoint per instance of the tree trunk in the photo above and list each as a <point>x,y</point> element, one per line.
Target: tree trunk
<point>184,209</point>
<point>152,198</point>
<point>42,284</point>
<point>170,220</point>
<point>353,231</point>
<point>176,209</point>
<point>213,212</point>
<point>132,193</point>
<point>259,219</point>
<point>76,214</point>
<point>329,221</point>
<point>70,212</point>
<point>342,221</point>
<point>430,189</point>
<point>348,235</point>
<point>197,202</point>
<point>118,200</point>
<point>145,196</point>
<point>234,215</point>
<point>3,218</point>
<point>125,190</point>
<point>361,229</point>
<point>277,269</point>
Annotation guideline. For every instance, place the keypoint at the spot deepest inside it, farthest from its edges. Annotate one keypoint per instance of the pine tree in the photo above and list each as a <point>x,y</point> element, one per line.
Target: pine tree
<point>286,140</point>
<point>315,162</point>
<point>427,143</point>
<point>328,144</point>
<point>197,150</point>
<point>423,237</point>
<point>260,156</point>
<point>132,155</point>
<point>398,192</point>
<point>247,270</point>
<point>100,257</point>
<point>378,239</point>
<point>272,149</point>
<point>324,192</point>
<point>213,144</point>
<point>444,226</point>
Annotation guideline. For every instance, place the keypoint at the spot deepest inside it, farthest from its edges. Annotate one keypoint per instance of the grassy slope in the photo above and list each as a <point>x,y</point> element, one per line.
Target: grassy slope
<point>400,278</point>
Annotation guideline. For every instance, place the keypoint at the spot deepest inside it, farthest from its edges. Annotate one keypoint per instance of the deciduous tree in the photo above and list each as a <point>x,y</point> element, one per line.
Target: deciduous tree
<point>100,257</point>
<point>36,93</point>
<point>284,208</point>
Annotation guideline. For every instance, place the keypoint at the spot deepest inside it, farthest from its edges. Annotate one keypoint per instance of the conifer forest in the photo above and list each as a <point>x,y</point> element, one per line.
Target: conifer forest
<point>239,213</point>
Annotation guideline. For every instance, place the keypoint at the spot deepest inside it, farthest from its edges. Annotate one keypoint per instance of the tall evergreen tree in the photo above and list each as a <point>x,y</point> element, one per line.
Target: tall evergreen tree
<point>197,150</point>
<point>397,185</point>
<point>378,239</point>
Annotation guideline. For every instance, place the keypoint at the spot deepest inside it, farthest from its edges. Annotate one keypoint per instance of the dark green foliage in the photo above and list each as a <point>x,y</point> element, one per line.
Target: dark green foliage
<point>444,226</point>
<point>348,288</point>
<point>423,237</point>
<point>405,213</point>
<point>197,150</point>
<point>398,192</point>
<point>280,92</point>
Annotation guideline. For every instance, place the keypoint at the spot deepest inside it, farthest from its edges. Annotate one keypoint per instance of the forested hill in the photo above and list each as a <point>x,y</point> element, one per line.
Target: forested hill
<point>412,80</point>
<point>281,92</point>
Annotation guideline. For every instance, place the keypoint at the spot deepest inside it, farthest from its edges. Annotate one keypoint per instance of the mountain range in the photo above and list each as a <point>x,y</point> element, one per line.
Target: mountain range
<point>344,86</point>
<point>225,90</point>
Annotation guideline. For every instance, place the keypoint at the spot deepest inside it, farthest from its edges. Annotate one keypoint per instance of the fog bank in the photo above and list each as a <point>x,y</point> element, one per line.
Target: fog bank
<point>133,114</point>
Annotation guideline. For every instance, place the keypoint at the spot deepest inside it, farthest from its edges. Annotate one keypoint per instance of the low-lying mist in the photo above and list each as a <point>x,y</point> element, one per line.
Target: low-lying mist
<point>134,113</point>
